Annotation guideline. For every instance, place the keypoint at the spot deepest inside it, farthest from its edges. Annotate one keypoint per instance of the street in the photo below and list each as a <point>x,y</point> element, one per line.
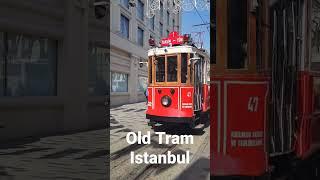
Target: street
<point>131,118</point>
<point>80,156</point>
<point>83,155</point>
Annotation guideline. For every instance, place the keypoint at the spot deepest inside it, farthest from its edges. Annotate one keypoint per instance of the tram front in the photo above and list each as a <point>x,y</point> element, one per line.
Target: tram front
<point>171,82</point>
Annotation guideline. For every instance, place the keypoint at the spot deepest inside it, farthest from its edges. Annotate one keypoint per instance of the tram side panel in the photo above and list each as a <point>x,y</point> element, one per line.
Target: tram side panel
<point>214,118</point>
<point>150,98</point>
<point>186,97</point>
<point>305,105</point>
<point>206,98</point>
<point>239,131</point>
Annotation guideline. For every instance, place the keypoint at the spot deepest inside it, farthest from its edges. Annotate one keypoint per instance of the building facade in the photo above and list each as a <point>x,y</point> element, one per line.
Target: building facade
<point>54,67</point>
<point>131,28</point>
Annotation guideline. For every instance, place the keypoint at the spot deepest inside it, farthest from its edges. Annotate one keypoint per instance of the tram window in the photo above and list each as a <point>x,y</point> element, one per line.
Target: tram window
<point>184,67</point>
<point>172,68</point>
<point>316,92</point>
<point>201,68</point>
<point>160,69</point>
<point>191,69</point>
<point>237,33</point>
<point>150,70</point>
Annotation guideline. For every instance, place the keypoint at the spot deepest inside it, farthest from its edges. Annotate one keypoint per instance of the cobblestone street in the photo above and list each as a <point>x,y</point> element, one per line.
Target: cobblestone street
<point>131,118</point>
<point>79,156</point>
<point>82,155</point>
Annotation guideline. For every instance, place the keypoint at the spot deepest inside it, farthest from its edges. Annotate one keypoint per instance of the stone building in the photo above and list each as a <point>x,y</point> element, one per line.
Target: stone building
<point>53,67</point>
<point>131,28</point>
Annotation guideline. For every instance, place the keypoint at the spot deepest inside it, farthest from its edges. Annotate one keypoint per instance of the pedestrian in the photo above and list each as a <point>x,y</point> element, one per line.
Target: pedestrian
<point>146,94</point>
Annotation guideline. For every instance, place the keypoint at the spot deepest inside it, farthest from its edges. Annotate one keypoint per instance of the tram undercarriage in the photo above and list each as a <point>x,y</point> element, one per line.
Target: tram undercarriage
<point>199,121</point>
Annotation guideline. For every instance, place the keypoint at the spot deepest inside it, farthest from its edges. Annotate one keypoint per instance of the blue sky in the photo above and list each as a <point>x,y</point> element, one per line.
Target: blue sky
<point>190,18</point>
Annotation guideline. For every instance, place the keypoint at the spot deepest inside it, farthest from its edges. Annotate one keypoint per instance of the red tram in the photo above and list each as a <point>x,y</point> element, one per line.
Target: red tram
<point>265,91</point>
<point>178,82</point>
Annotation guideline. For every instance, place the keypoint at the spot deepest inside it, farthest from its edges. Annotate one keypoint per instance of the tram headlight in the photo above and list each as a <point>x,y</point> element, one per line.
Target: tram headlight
<point>166,101</point>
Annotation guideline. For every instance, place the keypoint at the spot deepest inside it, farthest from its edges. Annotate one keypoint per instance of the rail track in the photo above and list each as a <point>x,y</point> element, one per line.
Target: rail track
<point>120,160</point>
<point>124,121</point>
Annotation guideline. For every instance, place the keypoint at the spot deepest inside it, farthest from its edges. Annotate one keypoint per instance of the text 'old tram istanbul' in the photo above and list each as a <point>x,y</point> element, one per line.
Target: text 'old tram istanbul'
<point>264,90</point>
<point>178,82</point>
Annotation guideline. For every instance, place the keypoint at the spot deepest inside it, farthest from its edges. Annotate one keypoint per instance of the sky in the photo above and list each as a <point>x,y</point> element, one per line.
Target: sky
<point>191,18</point>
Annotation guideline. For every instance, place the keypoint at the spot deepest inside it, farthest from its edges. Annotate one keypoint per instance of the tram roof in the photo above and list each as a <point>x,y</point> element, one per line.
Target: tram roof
<point>176,49</point>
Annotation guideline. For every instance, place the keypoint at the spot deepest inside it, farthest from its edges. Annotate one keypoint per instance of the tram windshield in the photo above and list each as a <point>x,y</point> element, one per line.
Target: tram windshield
<point>166,68</point>
<point>172,67</point>
<point>169,73</point>
<point>160,66</point>
<point>184,67</point>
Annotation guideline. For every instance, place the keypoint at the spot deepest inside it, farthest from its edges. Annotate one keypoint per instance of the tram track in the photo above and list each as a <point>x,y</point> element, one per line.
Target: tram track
<point>123,155</point>
<point>150,168</point>
<point>120,160</point>
<point>134,171</point>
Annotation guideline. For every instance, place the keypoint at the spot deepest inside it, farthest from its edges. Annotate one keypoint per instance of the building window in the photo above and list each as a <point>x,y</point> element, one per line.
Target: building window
<point>173,24</point>
<point>125,3</point>
<point>142,83</point>
<point>28,65</point>
<point>140,10</point>
<point>98,70</point>
<point>161,11</point>
<point>151,23</point>
<point>124,27</point>
<point>119,82</point>
<point>140,36</point>
<point>161,29</point>
<point>168,18</point>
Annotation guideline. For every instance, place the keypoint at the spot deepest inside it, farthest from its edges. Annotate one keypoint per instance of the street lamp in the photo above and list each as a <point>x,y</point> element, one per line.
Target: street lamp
<point>141,62</point>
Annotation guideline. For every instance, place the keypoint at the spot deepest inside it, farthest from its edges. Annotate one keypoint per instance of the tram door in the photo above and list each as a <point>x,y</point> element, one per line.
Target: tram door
<point>197,81</point>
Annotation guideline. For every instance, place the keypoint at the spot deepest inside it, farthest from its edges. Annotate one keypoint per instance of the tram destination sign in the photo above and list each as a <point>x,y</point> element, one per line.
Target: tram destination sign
<point>174,39</point>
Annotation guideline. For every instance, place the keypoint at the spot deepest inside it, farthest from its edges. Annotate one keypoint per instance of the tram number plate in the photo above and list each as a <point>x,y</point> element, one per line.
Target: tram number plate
<point>253,104</point>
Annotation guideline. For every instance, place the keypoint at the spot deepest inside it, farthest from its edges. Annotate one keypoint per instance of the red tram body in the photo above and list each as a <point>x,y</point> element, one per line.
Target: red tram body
<point>178,90</point>
<point>265,91</point>
<point>237,138</point>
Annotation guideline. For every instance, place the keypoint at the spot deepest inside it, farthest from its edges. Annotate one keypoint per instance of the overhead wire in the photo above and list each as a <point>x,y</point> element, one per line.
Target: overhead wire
<point>204,22</point>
